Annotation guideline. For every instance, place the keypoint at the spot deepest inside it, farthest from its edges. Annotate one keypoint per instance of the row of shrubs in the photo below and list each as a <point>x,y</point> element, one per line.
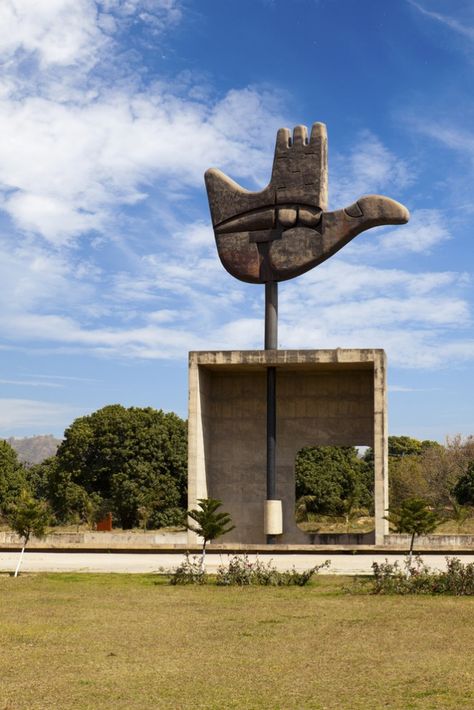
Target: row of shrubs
<point>242,572</point>
<point>418,578</point>
<point>414,577</point>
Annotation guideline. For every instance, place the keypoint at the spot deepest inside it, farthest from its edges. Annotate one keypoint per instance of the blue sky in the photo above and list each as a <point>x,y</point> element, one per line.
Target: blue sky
<point>111,111</point>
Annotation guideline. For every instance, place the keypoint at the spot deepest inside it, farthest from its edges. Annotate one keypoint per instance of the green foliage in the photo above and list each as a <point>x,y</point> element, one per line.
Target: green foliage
<point>332,480</point>
<point>210,524</point>
<point>417,578</point>
<point>407,479</point>
<point>69,501</point>
<point>399,446</point>
<point>460,514</point>
<point>413,517</point>
<point>406,446</point>
<point>242,572</point>
<point>134,460</point>
<point>28,517</point>
<point>190,571</point>
<point>464,488</point>
<point>12,476</point>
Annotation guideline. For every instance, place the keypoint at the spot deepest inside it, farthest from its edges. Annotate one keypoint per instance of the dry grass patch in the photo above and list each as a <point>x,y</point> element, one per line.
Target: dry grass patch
<point>125,642</point>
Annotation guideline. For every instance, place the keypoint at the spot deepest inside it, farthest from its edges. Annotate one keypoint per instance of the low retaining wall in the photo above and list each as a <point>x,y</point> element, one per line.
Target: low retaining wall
<point>100,539</point>
<point>431,542</point>
<point>168,539</point>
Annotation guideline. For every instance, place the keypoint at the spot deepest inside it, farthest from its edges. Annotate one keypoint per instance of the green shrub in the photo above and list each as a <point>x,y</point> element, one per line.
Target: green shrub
<point>418,578</point>
<point>241,572</point>
<point>190,571</point>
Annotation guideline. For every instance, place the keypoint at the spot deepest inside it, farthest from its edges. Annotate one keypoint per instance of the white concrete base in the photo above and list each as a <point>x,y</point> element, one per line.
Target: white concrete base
<point>273,517</point>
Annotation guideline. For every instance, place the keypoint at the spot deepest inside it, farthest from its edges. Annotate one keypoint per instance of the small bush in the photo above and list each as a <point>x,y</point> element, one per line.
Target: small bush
<point>241,572</point>
<point>417,578</point>
<point>190,571</point>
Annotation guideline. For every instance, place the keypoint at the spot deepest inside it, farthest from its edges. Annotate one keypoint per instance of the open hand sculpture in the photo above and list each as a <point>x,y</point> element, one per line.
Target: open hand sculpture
<point>284,230</point>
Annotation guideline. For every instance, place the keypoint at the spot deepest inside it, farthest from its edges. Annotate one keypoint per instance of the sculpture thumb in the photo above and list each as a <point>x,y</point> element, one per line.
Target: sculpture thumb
<point>341,226</point>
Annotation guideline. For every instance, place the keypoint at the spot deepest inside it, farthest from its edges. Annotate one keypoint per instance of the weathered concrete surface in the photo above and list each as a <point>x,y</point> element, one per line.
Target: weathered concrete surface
<point>176,542</point>
<point>324,397</point>
<point>99,539</point>
<point>284,230</point>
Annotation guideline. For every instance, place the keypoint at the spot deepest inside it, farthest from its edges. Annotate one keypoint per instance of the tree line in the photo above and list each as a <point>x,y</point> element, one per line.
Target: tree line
<point>337,481</point>
<point>132,462</point>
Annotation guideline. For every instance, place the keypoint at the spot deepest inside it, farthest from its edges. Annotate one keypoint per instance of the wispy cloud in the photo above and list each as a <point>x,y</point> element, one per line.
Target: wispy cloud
<point>112,161</point>
<point>451,22</point>
<point>426,229</point>
<point>30,383</point>
<point>31,414</point>
<point>368,168</point>
<point>84,146</point>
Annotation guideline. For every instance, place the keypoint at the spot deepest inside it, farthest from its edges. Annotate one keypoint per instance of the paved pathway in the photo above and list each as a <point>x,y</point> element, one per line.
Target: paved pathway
<point>350,564</point>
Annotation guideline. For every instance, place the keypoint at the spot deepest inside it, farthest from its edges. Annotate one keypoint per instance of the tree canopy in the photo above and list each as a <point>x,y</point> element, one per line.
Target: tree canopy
<point>330,476</point>
<point>130,457</point>
<point>464,488</point>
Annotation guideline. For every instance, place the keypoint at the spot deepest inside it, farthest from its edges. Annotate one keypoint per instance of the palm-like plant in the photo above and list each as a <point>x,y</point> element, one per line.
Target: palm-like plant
<point>209,523</point>
<point>27,517</point>
<point>415,518</point>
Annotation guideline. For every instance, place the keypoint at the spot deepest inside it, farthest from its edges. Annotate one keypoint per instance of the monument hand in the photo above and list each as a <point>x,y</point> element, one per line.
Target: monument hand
<point>283,230</point>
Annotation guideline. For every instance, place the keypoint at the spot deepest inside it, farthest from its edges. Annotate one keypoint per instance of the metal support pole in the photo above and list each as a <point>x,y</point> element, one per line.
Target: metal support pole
<point>271,343</point>
<point>271,315</point>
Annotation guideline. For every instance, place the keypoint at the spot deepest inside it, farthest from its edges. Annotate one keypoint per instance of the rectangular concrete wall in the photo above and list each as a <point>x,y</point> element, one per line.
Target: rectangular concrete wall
<point>324,397</point>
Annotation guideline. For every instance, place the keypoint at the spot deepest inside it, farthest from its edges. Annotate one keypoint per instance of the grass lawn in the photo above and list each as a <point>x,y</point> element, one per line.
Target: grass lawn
<point>126,641</point>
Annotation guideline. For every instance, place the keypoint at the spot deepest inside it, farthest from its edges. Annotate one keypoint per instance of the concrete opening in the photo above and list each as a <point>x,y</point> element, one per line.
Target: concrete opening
<point>334,493</point>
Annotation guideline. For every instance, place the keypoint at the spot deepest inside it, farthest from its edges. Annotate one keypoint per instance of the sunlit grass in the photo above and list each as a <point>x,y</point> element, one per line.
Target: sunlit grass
<point>125,642</point>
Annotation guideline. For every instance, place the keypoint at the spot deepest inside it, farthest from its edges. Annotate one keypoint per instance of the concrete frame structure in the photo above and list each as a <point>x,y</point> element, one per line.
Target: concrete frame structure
<point>332,397</point>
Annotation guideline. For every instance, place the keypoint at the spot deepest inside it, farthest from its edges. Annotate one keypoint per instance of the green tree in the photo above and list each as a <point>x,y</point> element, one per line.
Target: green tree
<point>332,480</point>
<point>406,446</point>
<point>414,517</point>
<point>123,455</point>
<point>68,501</point>
<point>12,476</point>
<point>407,476</point>
<point>139,486</point>
<point>407,479</point>
<point>27,517</point>
<point>209,524</point>
<point>463,490</point>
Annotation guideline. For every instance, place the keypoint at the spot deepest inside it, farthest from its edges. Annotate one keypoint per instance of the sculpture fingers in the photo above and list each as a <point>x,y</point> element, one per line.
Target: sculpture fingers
<point>300,171</point>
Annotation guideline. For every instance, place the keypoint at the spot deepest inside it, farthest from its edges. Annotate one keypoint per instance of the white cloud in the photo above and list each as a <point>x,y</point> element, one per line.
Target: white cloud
<point>452,137</point>
<point>17,414</point>
<point>102,153</point>
<point>68,33</point>
<point>368,168</point>
<point>451,22</point>
<point>68,167</point>
<point>427,228</point>
<point>58,32</point>
<point>84,145</point>
<point>30,383</point>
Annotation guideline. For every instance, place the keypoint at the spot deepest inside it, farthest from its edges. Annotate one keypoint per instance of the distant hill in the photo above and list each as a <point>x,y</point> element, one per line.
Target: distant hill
<point>34,449</point>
